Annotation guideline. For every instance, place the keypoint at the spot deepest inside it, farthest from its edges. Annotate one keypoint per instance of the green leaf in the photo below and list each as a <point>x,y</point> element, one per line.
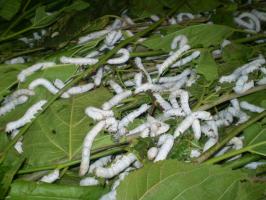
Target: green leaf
<point>44,191</point>
<point>77,5</point>
<point>43,18</point>
<point>170,179</point>
<point>145,8</point>
<point>8,8</point>
<point>8,170</point>
<point>254,191</point>
<point>198,35</point>
<point>207,66</point>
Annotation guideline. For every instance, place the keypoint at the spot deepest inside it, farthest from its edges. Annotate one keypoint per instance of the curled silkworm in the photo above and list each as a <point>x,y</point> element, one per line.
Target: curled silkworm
<point>113,37</point>
<point>98,77</point>
<point>12,104</point>
<point>87,144</point>
<point>194,153</point>
<point>115,86</point>
<point>17,60</point>
<point>152,153</point>
<point>252,24</point>
<point>52,177</point>
<point>27,117</point>
<point>250,107</point>
<point>115,100</point>
<point>133,115</point>
<point>149,86</point>
<point>178,77</point>
<point>166,143</point>
<point>186,60</point>
<point>122,59</point>
<point>181,40</point>
<point>171,59</point>
<point>120,165</point>
<point>98,114</point>
<point>78,61</point>
<point>92,36</point>
<point>88,181</point>
<point>141,67</point>
<point>47,84</point>
<point>210,142</point>
<point>183,16</point>
<point>80,89</point>
<point>100,163</point>
<point>30,70</point>
<point>163,103</point>
<point>138,79</point>
<point>259,14</point>
<point>184,125</point>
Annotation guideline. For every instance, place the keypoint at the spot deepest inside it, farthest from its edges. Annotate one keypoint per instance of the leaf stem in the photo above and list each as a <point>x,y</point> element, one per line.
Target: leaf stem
<point>243,161</point>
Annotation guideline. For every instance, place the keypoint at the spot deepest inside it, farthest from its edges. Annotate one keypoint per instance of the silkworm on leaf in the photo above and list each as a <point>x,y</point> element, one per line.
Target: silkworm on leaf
<point>100,163</point>
<point>259,14</point>
<point>78,61</point>
<point>98,77</point>
<point>194,153</point>
<point>111,124</point>
<point>115,86</point>
<point>196,129</point>
<point>30,70</point>
<point>152,153</point>
<point>113,37</point>
<point>115,100</point>
<point>186,60</point>
<point>166,143</point>
<point>157,127</point>
<point>80,89</point>
<point>59,83</point>
<point>52,177</point>
<point>98,114</point>
<point>138,79</point>
<point>117,167</point>
<point>184,16</point>
<point>87,144</point>
<point>120,60</point>
<point>253,23</point>
<point>92,36</point>
<point>181,40</point>
<point>27,117</point>
<point>184,125</point>
<point>12,104</point>
<point>149,86</point>
<point>178,77</point>
<point>250,107</point>
<point>163,103</point>
<point>17,60</point>
<point>210,142</point>
<point>141,67</point>
<point>88,181</point>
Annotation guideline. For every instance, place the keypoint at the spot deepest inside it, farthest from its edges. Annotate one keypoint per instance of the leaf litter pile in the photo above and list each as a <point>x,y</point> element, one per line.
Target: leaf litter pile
<point>133,100</point>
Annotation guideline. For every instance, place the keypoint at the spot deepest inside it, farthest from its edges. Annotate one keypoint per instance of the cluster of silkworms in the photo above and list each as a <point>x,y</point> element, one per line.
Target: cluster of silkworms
<point>169,93</point>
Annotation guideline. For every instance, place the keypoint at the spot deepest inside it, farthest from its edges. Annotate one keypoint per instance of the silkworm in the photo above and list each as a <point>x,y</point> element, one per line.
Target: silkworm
<point>113,37</point>
<point>100,163</point>
<point>155,18</point>
<point>157,127</point>
<point>80,89</point>
<point>192,79</point>
<point>115,100</point>
<point>138,79</point>
<point>19,144</point>
<point>116,24</point>
<point>174,112</point>
<point>17,60</point>
<point>88,181</point>
<point>12,104</point>
<point>186,60</point>
<point>129,83</point>
<point>87,144</point>
<point>139,128</point>
<point>149,86</point>
<point>262,81</point>
<point>184,125</point>
<point>120,60</point>
<point>145,133</point>
<point>210,142</point>
<point>59,83</point>
<point>111,124</point>
<point>133,115</point>
<point>178,77</point>
<point>163,103</point>
<point>184,99</point>
<point>78,61</point>
<point>52,177</point>
<point>152,153</point>
<point>254,165</point>
<point>115,86</point>
<point>181,40</point>
<point>166,143</point>
<point>92,36</point>
<point>196,129</point>
<point>27,117</point>
<point>19,92</point>
<point>141,67</point>
<point>181,16</point>
<point>259,14</point>
<point>47,84</point>
<point>98,77</point>
<point>242,85</point>
<point>127,19</point>
<point>98,114</point>
<point>30,70</point>
<point>171,59</point>
<point>203,115</point>
<point>117,167</point>
<point>253,23</point>
<point>194,153</point>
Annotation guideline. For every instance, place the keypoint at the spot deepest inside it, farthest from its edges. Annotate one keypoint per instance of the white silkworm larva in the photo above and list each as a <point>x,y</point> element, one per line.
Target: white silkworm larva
<point>52,177</point>
<point>192,79</point>
<point>174,112</point>
<point>133,115</point>
<point>250,107</point>
<point>171,59</point>
<point>87,144</point>
<point>115,100</point>
<point>115,86</point>
<point>88,181</point>
<point>203,115</point>
<point>19,144</point>
<point>253,23</point>
<point>59,83</point>
<point>181,16</point>
<point>127,19</point>
<point>117,167</point>
<point>139,129</point>
<point>17,60</point>
<point>98,77</point>
<point>184,125</point>
<point>244,88</point>
<point>92,36</point>
<point>152,153</point>
<point>262,81</point>
<point>155,18</point>
<point>196,129</point>
<point>163,103</point>
<point>113,37</point>
<point>141,67</point>
<point>254,165</point>
<point>12,104</point>
<point>145,133</point>
<point>194,153</point>
<point>166,142</point>
<point>27,117</point>
<point>157,127</point>
<point>92,54</point>
<point>122,59</point>
<point>98,114</point>
<point>186,60</point>
<point>210,142</point>
<point>178,77</point>
<point>78,61</point>
<point>259,14</point>
<point>181,40</point>
<point>30,70</point>
<point>149,86</point>
<point>80,89</point>
<point>129,83</point>
<point>100,163</point>
<point>138,79</point>
<point>111,124</point>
